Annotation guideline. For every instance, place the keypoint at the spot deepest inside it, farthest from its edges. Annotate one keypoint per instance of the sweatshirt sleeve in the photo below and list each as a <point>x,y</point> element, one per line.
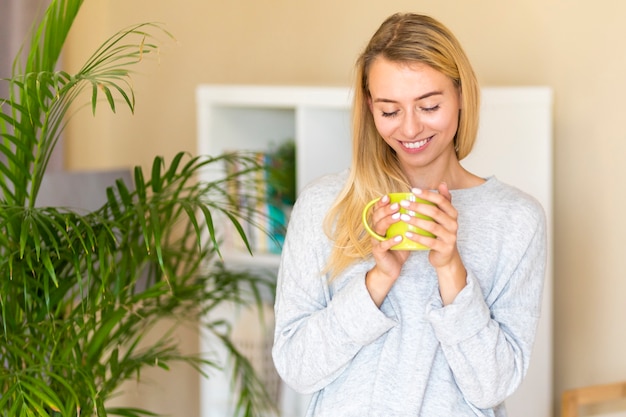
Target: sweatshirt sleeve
<point>319,329</point>
<point>487,339</point>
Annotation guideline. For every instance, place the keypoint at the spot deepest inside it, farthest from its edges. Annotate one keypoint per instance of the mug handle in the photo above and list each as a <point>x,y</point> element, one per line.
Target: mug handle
<point>366,224</point>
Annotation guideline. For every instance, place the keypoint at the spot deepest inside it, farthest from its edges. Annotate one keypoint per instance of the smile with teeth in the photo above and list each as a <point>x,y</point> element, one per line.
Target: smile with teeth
<point>416,145</point>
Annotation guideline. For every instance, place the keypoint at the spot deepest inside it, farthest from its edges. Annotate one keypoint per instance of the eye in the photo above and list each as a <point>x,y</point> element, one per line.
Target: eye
<point>389,114</point>
<point>430,109</point>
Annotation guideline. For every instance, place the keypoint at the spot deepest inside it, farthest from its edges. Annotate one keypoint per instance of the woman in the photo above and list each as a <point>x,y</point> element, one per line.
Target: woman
<point>372,331</point>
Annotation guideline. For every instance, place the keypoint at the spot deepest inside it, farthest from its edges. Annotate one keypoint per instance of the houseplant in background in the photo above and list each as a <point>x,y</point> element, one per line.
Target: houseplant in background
<point>79,291</point>
<point>281,196</point>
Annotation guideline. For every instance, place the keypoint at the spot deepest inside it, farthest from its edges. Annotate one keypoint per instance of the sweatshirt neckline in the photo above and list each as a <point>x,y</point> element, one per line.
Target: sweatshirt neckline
<point>490,181</point>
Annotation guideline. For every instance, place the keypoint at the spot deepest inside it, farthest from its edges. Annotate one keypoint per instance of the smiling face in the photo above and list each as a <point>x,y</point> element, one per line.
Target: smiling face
<point>416,111</point>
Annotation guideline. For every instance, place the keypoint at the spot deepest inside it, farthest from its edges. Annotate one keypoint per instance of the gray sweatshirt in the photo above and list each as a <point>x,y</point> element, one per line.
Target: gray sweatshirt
<point>412,356</point>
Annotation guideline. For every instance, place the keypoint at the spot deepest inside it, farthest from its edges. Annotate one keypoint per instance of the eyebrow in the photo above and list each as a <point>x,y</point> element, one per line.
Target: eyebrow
<point>422,97</point>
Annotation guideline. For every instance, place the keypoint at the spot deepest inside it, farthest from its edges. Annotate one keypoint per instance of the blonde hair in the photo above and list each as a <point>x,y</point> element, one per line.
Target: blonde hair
<point>403,38</point>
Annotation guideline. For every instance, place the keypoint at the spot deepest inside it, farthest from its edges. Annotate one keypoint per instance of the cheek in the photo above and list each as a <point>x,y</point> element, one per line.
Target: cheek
<point>385,126</point>
<point>445,122</point>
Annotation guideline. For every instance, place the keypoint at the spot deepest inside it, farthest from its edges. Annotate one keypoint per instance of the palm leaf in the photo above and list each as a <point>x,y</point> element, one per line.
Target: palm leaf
<point>81,291</point>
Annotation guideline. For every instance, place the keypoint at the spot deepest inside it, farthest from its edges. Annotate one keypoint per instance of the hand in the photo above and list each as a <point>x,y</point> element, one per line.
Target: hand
<point>381,278</point>
<point>444,255</point>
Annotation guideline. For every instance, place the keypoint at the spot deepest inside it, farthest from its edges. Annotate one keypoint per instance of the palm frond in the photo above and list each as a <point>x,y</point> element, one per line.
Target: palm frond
<point>81,291</point>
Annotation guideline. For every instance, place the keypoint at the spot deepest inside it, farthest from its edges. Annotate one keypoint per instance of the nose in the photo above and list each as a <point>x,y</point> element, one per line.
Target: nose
<point>411,125</point>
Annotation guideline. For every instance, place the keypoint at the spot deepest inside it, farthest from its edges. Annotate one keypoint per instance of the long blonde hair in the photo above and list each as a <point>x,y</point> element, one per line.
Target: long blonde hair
<point>403,38</point>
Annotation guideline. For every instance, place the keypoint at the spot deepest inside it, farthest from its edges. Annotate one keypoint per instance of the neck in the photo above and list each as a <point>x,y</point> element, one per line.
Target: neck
<point>452,173</point>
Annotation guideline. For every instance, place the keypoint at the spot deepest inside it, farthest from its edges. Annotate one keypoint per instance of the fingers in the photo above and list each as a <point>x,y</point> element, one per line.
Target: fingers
<point>384,215</point>
<point>444,217</point>
<point>441,203</point>
<point>388,262</point>
<point>435,205</point>
<point>386,245</point>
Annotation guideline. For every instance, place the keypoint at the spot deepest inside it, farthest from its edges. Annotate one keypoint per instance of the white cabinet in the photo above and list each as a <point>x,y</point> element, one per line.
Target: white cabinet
<point>514,143</point>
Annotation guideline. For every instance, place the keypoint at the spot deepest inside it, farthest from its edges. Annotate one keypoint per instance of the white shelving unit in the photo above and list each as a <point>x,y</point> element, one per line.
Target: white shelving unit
<point>253,118</point>
<point>514,143</point>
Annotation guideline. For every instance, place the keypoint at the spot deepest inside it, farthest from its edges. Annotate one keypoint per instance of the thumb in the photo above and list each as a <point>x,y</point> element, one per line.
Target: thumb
<point>444,191</point>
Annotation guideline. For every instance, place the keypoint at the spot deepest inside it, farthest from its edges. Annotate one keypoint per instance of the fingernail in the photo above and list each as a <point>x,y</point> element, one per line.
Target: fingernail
<point>397,238</point>
<point>385,199</point>
<point>404,203</point>
<point>405,217</point>
<point>408,234</point>
<point>395,216</point>
<point>394,206</point>
<point>416,191</point>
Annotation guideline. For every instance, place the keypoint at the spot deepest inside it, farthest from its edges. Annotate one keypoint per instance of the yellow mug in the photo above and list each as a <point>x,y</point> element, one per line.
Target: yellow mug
<point>400,228</point>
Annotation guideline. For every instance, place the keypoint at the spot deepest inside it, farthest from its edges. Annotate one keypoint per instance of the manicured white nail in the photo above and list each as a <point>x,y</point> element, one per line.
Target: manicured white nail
<point>416,191</point>
<point>408,234</point>
<point>394,206</point>
<point>397,239</point>
<point>395,216</point>
<point>385,199</point>
<point>405,217</point>
<point>404,203</point>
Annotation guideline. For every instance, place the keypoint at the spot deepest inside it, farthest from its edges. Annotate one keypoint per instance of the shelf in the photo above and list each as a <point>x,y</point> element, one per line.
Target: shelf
<point>256,118</point>
<point>244,260</point>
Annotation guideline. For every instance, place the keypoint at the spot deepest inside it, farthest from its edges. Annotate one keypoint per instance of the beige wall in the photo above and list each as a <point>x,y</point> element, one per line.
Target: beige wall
<point>574,46</point>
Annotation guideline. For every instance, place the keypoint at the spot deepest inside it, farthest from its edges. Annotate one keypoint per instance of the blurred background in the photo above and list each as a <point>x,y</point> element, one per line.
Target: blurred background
<point>573,46</point>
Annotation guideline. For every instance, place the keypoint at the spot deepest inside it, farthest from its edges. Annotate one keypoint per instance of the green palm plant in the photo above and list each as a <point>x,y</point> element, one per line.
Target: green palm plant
<point>79,291</point>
